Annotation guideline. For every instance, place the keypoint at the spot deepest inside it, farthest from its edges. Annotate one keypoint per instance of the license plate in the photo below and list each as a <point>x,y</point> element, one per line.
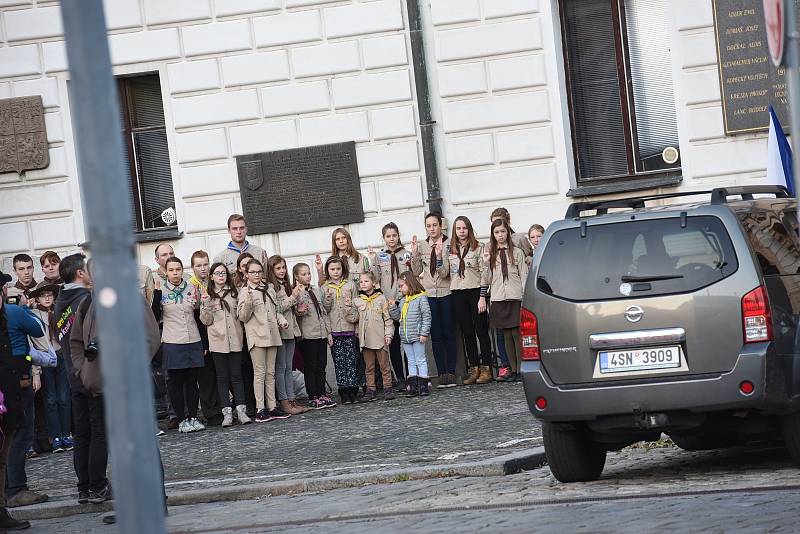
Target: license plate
<point>618,361</point>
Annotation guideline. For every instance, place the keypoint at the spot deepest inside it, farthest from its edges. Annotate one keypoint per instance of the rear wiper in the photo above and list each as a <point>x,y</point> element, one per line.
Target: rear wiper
<point>628,278</point>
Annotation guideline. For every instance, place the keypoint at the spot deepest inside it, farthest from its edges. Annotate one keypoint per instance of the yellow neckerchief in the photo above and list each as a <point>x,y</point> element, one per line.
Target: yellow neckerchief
<point>338,288</point>
<point>196,282</point>
<point>370,298</point>
<point>404,311</point>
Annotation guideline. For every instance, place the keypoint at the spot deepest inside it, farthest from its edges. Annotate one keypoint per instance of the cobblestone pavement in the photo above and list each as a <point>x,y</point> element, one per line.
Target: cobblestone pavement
<point>452,425</point>
<point>641,491</point>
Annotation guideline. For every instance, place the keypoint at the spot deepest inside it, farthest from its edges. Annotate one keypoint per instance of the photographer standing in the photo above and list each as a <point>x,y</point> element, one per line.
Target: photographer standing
<point>16,324</point>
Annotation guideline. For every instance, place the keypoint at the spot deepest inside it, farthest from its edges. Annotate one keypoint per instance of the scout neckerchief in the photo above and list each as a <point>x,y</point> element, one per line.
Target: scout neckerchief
<point>368,298</point>
<point>26,289</point>
<point>394,267</point>
<point>176,294</point>
<point>338,287</point>
<point>462,266</point>
<point>233,247</point>
<point>314,300</point>
<point>199,284</point>
<point>404,311</point>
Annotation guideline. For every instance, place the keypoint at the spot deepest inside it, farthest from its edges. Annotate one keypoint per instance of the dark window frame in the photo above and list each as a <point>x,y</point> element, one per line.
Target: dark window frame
<point>606,184</point>
<point>144,229</point>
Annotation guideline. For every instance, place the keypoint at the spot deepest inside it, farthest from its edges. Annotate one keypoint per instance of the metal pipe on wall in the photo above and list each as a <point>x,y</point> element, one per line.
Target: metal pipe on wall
<point>426,122</point>
<point>793,77</point>
<point>129,412</point>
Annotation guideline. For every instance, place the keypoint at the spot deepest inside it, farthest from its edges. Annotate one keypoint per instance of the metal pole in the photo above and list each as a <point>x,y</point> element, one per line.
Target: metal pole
<point>130,420</point>
<point>793,78</point>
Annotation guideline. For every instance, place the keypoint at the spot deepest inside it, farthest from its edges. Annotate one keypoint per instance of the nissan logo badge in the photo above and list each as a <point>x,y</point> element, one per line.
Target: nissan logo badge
<point>634,314</point>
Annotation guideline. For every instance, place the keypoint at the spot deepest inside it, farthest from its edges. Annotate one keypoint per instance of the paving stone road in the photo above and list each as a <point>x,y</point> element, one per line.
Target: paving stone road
<point>453,425</point>
<point>640,491</point>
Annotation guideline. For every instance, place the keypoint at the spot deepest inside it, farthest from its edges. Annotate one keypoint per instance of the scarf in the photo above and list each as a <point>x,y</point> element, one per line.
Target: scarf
<point>26,289</point>
<point>176,294</point>
<point>503,262</point>
<point>199,284</point>
<point>369,297</point>
<point>51,321</point>
<point>338,287</point>
<point>314,300</point>
<point>404,311</point>
<point>394,269</point>
<point>263,289</point>
<point>233,247</point>
<point>227,290</point>
<point>58,281</point>
<point>462,266</point>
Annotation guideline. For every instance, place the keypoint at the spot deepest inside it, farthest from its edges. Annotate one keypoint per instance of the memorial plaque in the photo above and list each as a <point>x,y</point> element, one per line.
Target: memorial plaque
<point>300,188</point>
<point>23,138</point>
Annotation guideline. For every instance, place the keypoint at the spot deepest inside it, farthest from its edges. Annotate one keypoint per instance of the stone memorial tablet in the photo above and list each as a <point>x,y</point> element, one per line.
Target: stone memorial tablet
<point>749,82</point>
<point>300,188</point>
<point>23,137</point>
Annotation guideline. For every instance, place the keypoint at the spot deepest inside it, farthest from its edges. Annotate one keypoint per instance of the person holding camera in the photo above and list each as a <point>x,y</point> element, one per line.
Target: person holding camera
<point>16,324</point>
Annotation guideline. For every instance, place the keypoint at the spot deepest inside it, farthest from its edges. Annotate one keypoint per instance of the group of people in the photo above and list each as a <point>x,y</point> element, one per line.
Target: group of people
<point>230,333</point>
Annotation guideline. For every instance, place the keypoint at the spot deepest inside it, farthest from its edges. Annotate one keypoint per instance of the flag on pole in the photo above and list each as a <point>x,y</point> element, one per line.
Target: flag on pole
<point>779,155</point>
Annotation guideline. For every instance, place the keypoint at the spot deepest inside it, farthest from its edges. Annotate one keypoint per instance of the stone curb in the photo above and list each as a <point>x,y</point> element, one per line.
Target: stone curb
<point>502,465</point>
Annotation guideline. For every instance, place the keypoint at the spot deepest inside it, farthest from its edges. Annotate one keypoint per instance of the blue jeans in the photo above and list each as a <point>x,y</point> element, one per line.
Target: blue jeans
<point>58,407</point>
<point>443,334</point>
<point>501,348</point>
<point>16,478</point>
<point>417,361</point>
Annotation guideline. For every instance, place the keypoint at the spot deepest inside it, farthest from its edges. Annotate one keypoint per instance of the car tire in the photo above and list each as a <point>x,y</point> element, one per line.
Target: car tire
<point>571,455</point>
<point>790,427</point>
<point>690,442</point>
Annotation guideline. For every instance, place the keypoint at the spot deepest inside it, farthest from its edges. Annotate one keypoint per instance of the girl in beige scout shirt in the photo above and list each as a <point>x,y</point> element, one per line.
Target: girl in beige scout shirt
<point>466,264</point>
<point>181,347</point>
<point>375,331</point>
<point>429,262</point>
<point>339,295</point>
<point>504,277</point>
<point>218,313</point>
<point>277,277</point>
<point>342,246</point>
<point>316,328</point>
<point>258,308</point>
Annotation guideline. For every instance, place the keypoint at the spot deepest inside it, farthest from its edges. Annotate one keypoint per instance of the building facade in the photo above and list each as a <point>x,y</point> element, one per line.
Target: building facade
<point>519,90</point>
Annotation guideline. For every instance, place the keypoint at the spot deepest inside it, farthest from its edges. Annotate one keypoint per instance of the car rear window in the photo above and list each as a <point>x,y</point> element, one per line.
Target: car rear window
<point>638,258</point>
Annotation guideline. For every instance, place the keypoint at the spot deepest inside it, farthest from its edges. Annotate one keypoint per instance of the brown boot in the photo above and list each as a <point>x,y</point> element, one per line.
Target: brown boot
<point>287,407</point>
<point>298,406</point>
<point>485,375</point>
<point>472,376</point>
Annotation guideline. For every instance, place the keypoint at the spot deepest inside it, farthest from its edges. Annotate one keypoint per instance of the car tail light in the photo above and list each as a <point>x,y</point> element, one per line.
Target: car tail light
<point>529,334</point>
<point>756,316</point>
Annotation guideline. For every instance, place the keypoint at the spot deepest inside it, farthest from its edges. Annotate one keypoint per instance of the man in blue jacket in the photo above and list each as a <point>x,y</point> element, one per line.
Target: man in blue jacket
<point>16,324</point>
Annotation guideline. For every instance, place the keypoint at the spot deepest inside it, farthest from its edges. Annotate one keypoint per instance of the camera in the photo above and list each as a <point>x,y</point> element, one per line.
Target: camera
<point>91,350</point>
<point>12,299</point>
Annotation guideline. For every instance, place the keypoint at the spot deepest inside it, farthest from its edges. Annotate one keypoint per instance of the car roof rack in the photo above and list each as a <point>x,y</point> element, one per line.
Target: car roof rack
<point>719,195</point>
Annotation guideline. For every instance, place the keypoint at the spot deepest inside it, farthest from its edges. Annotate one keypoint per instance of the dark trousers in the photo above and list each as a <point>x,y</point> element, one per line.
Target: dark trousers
<point>183,392</point>
<point>474,326</point>
<point>209,396</point>
<point>396,355</point>
<point>229,378</point>
<point>58,410</point>
<point>5,450</point>
<point>443,334</point>
<point>16,479</point>
<point>91,451</point>
<point>315,359</point>
<point>41,440</point>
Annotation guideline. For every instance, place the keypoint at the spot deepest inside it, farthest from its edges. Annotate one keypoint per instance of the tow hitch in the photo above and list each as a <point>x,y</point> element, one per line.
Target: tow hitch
<point>647,421</point>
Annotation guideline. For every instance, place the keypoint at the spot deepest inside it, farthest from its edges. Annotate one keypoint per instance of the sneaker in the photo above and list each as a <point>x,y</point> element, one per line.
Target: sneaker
<point>503,374</point>
<point>8,523</point>
<point>31,454</point>
<point>68,442</point>
<point>329,402</point>
<point>100,496</point>
<point>83,496</point>
<point>26,498</point>
<point>160,433</point>
<point>262,416</point>
<point>442,382</point>
<point>369,396</point>
<point>241,415</point>
<point>57,445</point>
<point>184,426</point>
<point>388,394</point>
<point>277,413</point>
<point>196,425</point>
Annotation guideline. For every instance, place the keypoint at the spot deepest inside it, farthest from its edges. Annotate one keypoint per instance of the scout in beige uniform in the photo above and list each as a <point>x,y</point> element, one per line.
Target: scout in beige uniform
<point>466,265</point>
<point>375,332</point>
<point>504,278</point>
<point>342,246</point>
<point>339,295</point>
<point>258,308</point>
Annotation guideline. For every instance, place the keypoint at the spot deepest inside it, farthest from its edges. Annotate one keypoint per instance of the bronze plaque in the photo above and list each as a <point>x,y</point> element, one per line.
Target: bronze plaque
<point>23,138</point>
<point>300,188</point>
<point>748,80</point>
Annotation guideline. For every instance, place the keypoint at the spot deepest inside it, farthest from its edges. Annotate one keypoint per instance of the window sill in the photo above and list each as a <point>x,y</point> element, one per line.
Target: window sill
<point>161,234</point>
<point>624,186</point>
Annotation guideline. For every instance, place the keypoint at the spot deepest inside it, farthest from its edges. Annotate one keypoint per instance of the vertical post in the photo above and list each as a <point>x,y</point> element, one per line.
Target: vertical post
<point>793,77</point>
<point>130,420</point>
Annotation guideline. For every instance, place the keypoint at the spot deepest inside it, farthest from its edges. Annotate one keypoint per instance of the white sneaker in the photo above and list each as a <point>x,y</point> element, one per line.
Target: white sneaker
<point>185,426</point>
<point>196,426</point>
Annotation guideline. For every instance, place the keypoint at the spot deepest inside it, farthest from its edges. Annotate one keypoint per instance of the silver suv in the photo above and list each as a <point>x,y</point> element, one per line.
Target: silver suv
<point>640,319</point>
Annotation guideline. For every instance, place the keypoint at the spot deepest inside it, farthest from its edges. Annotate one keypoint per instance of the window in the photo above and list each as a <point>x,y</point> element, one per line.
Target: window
<point>619,87</point>
<point>656,257</point>
<point>147,156</point>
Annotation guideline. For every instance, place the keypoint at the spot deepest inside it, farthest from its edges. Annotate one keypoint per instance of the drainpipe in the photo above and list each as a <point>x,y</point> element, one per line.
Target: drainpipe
<point>426,123</point>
